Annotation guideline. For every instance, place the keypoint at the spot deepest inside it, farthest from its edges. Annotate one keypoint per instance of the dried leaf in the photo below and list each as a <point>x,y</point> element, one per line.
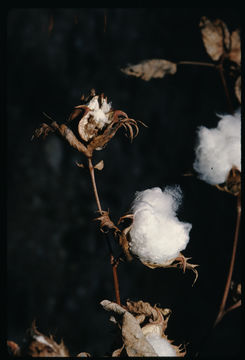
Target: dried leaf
<point>44,130</point>
<point>100,165</point>
<point>238,88</point>
<point>148,69</point>
<point>215,36</point>
<point>134,341</point>
<point>235,52</point>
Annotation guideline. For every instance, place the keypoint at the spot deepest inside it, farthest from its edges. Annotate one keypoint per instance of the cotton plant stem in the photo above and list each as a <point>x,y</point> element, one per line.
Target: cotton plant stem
<point>112,260</point>
<point>196,63</point>
<point>222,76</point>
<point>233,256</point>
<point>222,311</point>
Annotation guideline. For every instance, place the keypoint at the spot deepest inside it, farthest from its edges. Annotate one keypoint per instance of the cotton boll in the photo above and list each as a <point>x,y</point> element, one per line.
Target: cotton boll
<point>219,149</point>
<point>99,114</point>
<point>156,235</point>
<point>161,345</point>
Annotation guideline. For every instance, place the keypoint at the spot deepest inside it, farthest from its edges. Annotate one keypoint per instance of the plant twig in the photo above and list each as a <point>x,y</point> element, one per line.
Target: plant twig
<point>220,68</point>
<point>112,260</point>
<point>196,63</point>
<point>222,311</point>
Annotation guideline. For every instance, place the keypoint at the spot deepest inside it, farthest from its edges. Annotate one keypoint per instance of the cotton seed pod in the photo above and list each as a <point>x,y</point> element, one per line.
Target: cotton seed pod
<point>95,118</point>
<point>157,236</point>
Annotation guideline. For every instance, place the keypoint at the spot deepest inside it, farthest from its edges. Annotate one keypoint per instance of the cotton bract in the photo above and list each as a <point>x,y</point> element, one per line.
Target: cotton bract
<point>219,149</point>
<point>157,236</point>
<point>161,345</point>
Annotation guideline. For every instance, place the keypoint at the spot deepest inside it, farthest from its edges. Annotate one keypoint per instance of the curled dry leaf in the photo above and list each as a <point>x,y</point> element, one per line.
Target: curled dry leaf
<point>238,88</point>
<point>133,339</point>
<point>215,36</point>
<point>148,69</point>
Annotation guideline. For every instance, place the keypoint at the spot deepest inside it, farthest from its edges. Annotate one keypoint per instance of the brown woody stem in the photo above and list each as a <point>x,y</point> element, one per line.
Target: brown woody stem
<point>112,260</point>
<point>222,310</point>
<point>222,76</point>
<point>196,63</point>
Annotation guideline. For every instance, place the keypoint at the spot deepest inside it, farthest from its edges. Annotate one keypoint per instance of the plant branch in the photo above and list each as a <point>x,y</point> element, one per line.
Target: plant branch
<point>196,63</point>
<point>220,68</point>
<point>112,260</point>
<point>233,256</point>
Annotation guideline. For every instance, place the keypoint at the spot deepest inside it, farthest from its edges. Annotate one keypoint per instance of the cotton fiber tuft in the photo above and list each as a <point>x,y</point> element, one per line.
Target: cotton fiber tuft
<point>157,236</point>
<point>219,149</point>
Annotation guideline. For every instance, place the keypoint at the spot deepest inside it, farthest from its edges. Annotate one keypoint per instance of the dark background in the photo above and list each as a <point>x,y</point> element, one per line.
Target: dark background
<point>58,267</point>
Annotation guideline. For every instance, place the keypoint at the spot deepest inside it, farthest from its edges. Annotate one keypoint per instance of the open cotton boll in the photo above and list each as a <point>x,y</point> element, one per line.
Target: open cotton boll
<point>161,345</point>
<point>99,113</point>
<point>156,235</point>
<point>219,149</point>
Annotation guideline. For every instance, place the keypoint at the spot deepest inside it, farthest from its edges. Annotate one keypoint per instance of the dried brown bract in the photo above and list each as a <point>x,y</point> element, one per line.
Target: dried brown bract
<point>139,322</point>
<point>232,184</point>
<point>219,42</point>
<point>149,69</point>
<point>106,222</point>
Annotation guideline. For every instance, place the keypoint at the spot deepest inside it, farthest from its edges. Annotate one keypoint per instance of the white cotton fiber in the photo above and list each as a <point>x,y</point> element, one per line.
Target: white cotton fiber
<point>99,113</point>
<point>157,236</point>
<point>219,149</point>
<point>161,345</point>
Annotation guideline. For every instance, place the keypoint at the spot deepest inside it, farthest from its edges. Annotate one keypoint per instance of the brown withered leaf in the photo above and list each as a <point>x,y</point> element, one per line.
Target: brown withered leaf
<point>149,69</point>
<point>235,51</point>
<point>238,88</point>
<point>99,165</point>
<point>133,338</point>
<point>215,36</point>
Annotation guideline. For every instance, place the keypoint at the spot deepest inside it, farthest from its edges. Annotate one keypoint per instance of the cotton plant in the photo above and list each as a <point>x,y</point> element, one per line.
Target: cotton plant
<point>156,236</point>
<point>218,153</point>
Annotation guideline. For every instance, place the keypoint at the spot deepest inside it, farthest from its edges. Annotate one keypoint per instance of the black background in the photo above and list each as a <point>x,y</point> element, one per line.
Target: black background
<point>58,267</point>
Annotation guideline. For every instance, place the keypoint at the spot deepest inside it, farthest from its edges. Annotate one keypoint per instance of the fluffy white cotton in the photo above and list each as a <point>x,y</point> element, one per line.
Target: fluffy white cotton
<point>157,236</point>
<point>219,149</point>
<point>161,346</point>
<point>99,113</point>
